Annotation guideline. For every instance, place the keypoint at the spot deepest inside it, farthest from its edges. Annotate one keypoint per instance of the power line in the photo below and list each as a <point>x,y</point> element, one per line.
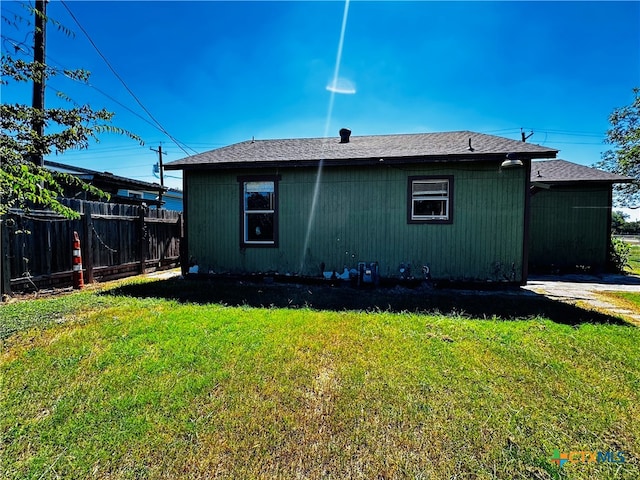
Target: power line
<point>578,143</point>
<point>16,44</point>
<point>105,156</point>
<point>568,132</point>
<point>108,96</point>
<point>502,130</point>
<point>210,144</point>
<point>88,84</point>
<point>19,46</point>
<point>63,95</point>
<point>98,150</point>
<point>124,83</point>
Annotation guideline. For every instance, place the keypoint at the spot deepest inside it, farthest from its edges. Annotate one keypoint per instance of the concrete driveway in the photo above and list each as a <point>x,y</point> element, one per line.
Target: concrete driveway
<point>585,288</point>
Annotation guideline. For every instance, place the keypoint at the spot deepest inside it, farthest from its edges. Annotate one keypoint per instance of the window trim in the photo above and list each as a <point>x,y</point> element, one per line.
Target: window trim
<point>137,194</point>
<point>450,197</point>
<point>242,180</point>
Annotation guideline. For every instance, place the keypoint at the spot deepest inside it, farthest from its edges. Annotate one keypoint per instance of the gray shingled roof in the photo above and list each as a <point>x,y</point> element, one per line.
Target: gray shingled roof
<point>363,150</point>
<point>88,174</point>
<point>562,171</point>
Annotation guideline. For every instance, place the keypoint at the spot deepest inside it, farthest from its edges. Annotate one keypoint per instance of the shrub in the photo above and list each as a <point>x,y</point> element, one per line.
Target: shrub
<point>619,251</point>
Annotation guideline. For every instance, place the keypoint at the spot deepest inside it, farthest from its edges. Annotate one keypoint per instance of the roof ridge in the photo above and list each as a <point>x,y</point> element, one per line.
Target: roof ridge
<point>374,135</point>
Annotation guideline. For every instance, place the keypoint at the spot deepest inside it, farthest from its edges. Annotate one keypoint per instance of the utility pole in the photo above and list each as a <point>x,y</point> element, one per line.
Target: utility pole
<point>525,136</point>
<point>159,151</point>
<point>37,103</point>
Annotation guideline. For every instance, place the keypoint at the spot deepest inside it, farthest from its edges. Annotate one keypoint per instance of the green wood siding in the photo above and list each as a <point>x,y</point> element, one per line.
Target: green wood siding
<point>361,215</point>
<point>569,227</point>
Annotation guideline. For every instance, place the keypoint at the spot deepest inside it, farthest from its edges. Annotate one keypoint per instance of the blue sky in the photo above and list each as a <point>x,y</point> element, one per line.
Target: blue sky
<point>216,73</point>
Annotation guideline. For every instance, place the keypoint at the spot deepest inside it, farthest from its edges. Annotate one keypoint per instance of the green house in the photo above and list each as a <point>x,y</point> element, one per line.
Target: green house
<point>570,216</point>
<point>454,202</point>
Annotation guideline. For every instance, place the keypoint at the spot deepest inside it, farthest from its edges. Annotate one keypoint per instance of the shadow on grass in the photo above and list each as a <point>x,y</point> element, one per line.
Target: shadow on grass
<point>510,304</point>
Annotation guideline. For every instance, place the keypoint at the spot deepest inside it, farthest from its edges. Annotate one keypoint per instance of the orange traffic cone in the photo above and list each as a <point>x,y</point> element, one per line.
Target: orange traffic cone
<point>78,280</point>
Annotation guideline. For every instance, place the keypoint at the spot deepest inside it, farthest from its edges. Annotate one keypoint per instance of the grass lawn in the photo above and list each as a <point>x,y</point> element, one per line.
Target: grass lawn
<point>634,259</point>
<point>162,380</point>
<point>628,300</point>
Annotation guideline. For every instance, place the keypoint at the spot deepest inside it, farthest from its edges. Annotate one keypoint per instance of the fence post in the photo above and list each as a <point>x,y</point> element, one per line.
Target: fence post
<point>87,232</point>
<point>5,267</point>
<point>182,246</point>
<point>47,257</point>
<point>143,246</point>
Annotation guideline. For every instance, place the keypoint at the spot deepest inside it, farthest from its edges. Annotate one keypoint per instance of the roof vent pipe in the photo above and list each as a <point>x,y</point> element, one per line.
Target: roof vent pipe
<point>345,133</point>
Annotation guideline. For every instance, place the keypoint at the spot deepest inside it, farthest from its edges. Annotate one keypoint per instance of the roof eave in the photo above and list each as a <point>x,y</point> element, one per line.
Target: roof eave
<point>573,182</point>
<point>484,157</point>
<point>129,184</point>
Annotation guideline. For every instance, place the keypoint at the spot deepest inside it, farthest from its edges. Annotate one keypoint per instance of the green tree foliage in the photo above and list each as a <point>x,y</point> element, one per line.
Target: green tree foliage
<point>23,184</point>
<point>620,225</point>
<point>618,221</point>
<point>624,156</point>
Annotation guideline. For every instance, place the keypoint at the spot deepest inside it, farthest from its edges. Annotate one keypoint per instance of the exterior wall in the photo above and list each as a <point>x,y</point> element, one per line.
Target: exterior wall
<point>570,227</point>
<point>361,215</point>
<point>142,194</point>
<point>172,198</point>
<point>172,201</point>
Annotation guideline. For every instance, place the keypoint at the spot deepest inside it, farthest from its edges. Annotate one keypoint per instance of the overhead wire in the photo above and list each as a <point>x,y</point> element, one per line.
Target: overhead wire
<point>114,148</point>
<point>23,47</point>
<point>124,84</point>
<point>97,150</point>
<point>549,131</point>
<point>88,84</point>
<point>568,132</point>
<point>16,44</point>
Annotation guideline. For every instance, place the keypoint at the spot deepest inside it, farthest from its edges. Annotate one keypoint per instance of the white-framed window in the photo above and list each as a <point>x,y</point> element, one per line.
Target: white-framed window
<point>430,199</point>
<point>259,211</point>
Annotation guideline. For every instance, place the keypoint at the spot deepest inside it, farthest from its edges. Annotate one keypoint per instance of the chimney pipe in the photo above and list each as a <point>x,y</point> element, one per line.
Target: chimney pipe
<point>344,135</point>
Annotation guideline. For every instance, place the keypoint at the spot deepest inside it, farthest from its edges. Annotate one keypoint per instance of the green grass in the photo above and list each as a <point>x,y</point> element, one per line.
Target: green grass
<point>129,387</point>
<point>43,312</point>
<point>629,300</point>
<point>634,259</point>
<point>631,297</point>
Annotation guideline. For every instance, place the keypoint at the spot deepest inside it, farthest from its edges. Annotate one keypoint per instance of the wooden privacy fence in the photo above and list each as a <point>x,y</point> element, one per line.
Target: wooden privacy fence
<point>116,241</point>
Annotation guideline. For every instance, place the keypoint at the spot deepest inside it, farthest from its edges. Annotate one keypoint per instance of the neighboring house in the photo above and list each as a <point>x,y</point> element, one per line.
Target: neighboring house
<point>570,216</point>
<point>456,202</point>
<point>122,190</point>
<point>172,199</point>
